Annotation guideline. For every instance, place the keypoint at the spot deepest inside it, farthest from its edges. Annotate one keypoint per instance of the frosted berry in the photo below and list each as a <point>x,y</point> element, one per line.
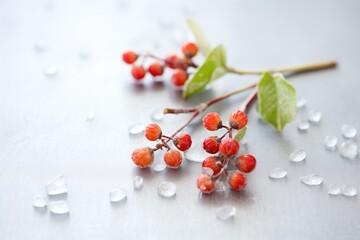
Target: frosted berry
<point>173,158</point>
<point>156,69</point>
<point>129,57</point>
<point>179,77</point>
<point>189,49</point>
<point>246,163</point>
<point>211,144</point>
<point>142,157</point>
<point>153,132</point>
<point>210,162</point>
<point>229,147</point>
<point>237,181</point>
<point>138,72</point>
<point>238,119</point>
<point>182,141</point>
<point>212,121</point>
<point>175,62</point>
<point>205,184</point>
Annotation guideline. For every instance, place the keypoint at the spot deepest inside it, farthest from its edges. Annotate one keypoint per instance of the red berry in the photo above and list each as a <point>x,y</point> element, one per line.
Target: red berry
<point>205,184</point>
<point>229,147</point>
<point>156,69</point>
<point>129,57</point>
<point>189,49</point>
<point>142,157</point>
<point>237,181</point>
<point>212,121</point>
<point>246,163</point>
<point>175,62</point>
<point>153,132</point>
<point>182,141</point>
<point>238,119</point>
<point>210,162</point>
<point>138,72</point>
<point>179,77</point>
<point>173,158</point>
<point>211,144</point>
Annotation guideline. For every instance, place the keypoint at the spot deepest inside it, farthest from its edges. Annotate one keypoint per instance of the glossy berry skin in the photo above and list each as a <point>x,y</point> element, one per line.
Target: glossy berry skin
<point>129,57</point>
<point>229,147</point>
<point>210,162</point>
<point>156,69</point>
<point>173,158</point>
<point>175,62</point>
<point>246,163</point>
<point>205,184</point>
<point>182,141</point>
<point>238,119</point>
<point>138,72</point>
<point>190,49</point>
<point>237,181</point>
<point>211,144</point>
<point>179,77</point>
<point>142,157</point>
<point>212,121</point>
<point>153,132</point>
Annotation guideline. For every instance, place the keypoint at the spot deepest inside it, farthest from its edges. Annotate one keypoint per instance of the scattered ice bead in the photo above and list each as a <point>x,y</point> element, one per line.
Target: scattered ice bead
<point>297,156</point>
<point>157,114</point>
<point>39,201</point>
<point>314,116</point>
<point>207,171</point>
<point>311,180</point>
<point>278,173</point>
<point>117,195</point>
<point>303,125</point>
<point>138,182</point>
<point>225,213</point>
<point>59,207</point>
<point>159,167</point>
<point>348,191</point>
<point>51,70</point>
<point>330,142</point>
<point>90,115</point>
<point>196,153</point>
<point>84,54</point>
<point>167,189</point>
<point>40,46</point>
<point>219,186</point>
<point>56,186</point>
<point>136,128</point>
<point>348,131</point>
<point>348,149</point>
<point>300,102</point>
<point>334,190</point>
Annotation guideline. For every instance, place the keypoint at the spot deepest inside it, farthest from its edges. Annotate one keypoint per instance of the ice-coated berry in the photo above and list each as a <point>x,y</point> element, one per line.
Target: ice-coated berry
<point>246,163</point>
<point>176,62</point>
<point>189,49</point>
<point>212,121</point>
<point>205,184</point>
<point>156,69</point>
<point>237,181</point>
<point>142,157</point>
<point>173,158</point>
<point>182,141</point>
<point>179,77</point>
<point>153,132</point>
<point>211,144</point>
<point>238,119</point>
<point>138,72</point>
<point>210,162</point>
<point>229,147</point>
<point>129,57</point>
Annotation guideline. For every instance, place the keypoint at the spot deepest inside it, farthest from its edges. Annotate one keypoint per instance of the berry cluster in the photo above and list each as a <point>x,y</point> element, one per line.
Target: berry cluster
<point>227,148</point>
<point>180,64</point>
<point>143,157</point>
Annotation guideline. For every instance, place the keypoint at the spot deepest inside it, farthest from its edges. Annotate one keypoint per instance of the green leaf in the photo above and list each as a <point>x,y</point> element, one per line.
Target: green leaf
<point>201,41</point>
<point>276,100</point>
<point>213,67</point>
<point>240,134</point>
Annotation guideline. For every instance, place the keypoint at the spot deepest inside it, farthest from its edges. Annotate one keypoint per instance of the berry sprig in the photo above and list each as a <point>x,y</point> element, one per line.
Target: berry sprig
<point>143,157</point>
<point>227,149</point>
<point>179,64</point>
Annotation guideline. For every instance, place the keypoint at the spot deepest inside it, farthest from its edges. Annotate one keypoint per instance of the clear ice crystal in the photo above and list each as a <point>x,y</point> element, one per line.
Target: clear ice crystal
<point>207,171</point>
<point>39,201</point>
<point>278,173</point>
<point>157,114</point>
<point>90,115</point>
<point>311,180</point>
<point>167,189</point>
<point>297,156</point>
<point>303,125</point>
<point>159,167</point>
<point>56,186</point>
<point>137,128</point>
<point>348,131</point>
<point>348,191</point>
<point>348,149</point>
<point>314,116</point>
<point>138,182</point>
<point>51,70</point>
<point>300,102</point>
<point>219,186</point>
<point>196,153</point>
<point>330,142</point>
<point>117,195</point>
<point>334,189</point>
<point>59,207</point>
<point>225,213</point>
